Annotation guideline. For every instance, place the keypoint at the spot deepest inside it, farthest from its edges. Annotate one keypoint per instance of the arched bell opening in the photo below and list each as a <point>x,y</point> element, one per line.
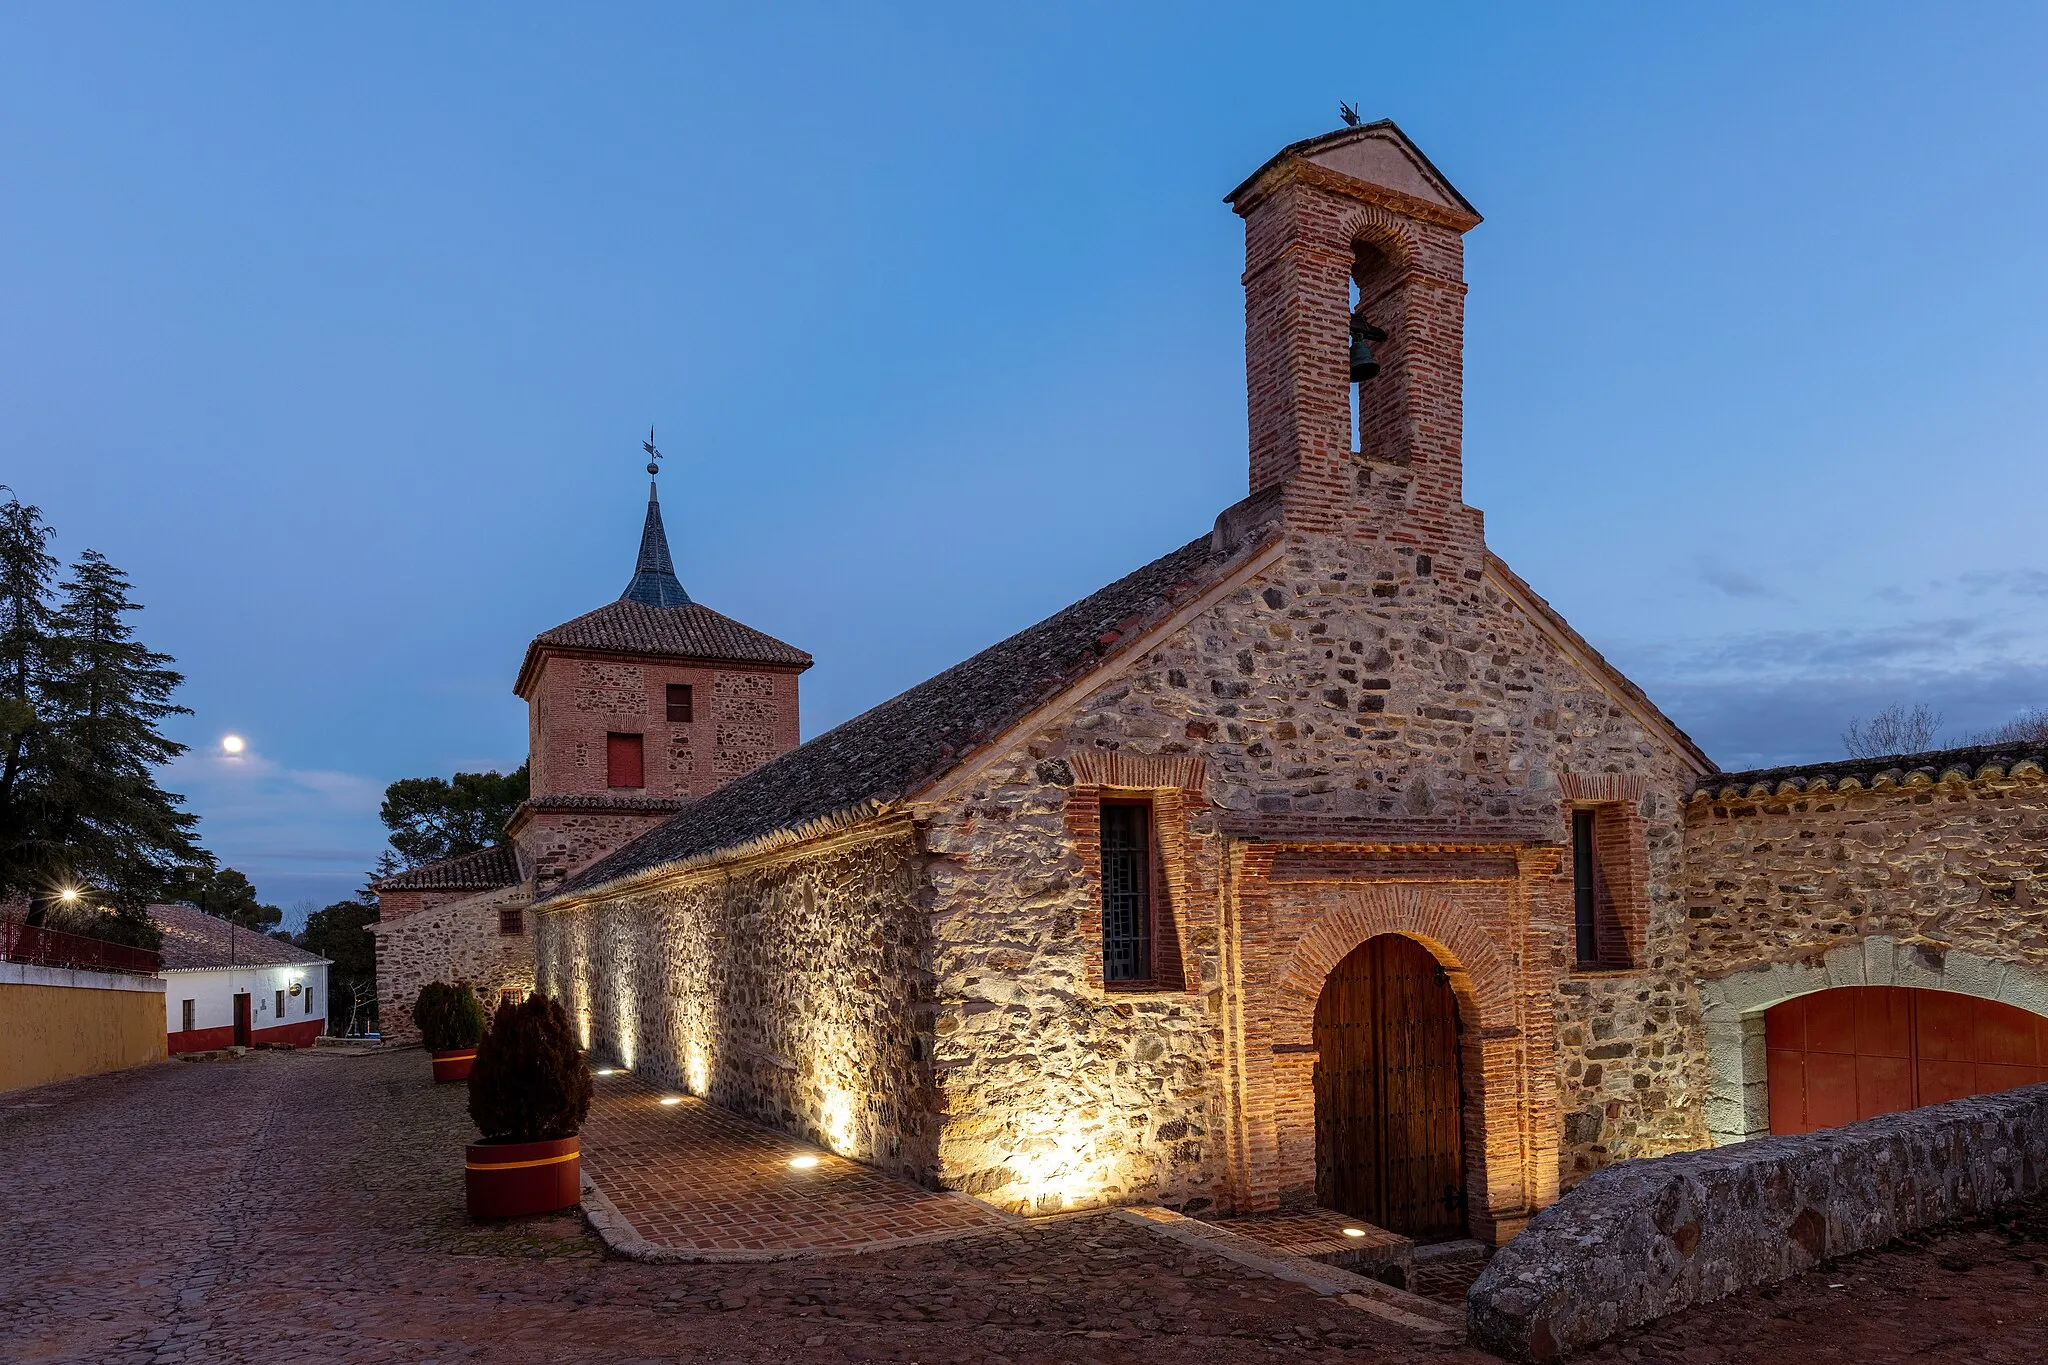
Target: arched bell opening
<point>1390,1095</point>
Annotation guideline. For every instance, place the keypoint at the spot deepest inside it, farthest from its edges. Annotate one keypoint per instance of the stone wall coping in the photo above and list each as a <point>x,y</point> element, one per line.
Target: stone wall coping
<point>72,978</point>
<point>1643,1239</point>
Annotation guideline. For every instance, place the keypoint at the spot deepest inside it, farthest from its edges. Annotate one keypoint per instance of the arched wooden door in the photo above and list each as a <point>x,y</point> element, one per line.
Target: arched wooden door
<point>1859,1051</point>
<point>1390,1121</point>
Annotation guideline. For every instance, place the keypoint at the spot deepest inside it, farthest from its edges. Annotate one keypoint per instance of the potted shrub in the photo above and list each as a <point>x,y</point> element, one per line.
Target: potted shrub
<point>528,1093</point>
<point>451,1024</point>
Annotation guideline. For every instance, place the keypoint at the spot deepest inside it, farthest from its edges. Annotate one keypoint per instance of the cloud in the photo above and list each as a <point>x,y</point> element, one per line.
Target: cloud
<point>2017,582</point>
<point>1727,578</point>
<point>299,833</point>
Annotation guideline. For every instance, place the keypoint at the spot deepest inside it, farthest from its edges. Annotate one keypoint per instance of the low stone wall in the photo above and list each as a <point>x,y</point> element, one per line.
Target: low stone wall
<point>1640,1240</point>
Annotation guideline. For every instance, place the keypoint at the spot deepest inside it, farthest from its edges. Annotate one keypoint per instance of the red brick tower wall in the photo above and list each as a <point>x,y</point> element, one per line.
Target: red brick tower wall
<point>741,717</point>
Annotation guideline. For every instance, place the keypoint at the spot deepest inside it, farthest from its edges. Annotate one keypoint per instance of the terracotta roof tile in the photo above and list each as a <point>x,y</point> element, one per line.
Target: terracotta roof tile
<point>1972,763</point>
<point>490,867</point>
<point>195,939</point>
<point>916,737</point>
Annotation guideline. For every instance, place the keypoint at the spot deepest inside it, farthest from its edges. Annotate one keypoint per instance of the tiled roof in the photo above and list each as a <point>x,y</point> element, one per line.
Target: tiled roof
<point>602,801</point>
<point>916,737</point>
<point>195,939</point>
<point>497,865</point>
<point>1977,762</point>
<point>691,631</point>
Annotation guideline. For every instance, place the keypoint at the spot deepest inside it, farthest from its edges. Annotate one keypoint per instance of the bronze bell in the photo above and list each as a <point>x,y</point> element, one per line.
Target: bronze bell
<point>1363,334</point>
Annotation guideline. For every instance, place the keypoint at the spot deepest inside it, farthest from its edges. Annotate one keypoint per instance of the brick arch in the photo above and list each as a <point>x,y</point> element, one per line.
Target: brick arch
<point>1385,232</point>
<point>1479,975</point>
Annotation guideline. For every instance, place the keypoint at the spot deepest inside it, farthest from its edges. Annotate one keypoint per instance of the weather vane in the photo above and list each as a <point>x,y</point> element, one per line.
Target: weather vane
<point>652,454</point>
<point>1348,112</point>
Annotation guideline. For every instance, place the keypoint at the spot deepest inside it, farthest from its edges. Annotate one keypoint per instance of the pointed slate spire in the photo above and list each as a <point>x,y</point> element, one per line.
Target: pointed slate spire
<point>654,575</point>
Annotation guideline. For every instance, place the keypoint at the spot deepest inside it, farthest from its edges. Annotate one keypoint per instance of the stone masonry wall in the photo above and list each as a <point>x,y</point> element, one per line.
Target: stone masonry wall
<point>453,937</point>
<point>1647,1239</point>
<point>1347,688</point>
<point>791,990</point>
<point>1943,863</point>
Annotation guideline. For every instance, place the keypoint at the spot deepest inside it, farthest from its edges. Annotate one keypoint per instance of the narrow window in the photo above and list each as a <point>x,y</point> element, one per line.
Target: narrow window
<point>185,1022</point>
<point>680,705</point>
<point>309,997</point>
<point>280,1005</point>
<point>512,921</point>
<point>622,761</point>
<point>1585,895</point>
<point>1126,891</point>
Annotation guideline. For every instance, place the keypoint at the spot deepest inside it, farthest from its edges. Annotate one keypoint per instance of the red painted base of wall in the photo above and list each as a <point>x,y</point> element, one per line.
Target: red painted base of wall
<point>303,1034</point>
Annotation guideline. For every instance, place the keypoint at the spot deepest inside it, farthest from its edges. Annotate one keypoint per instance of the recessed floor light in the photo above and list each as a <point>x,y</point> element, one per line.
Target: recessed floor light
<point>804,1163</point>
<point>671,1099</point>
<point>604,1071</point>
<point>1354,1232</point>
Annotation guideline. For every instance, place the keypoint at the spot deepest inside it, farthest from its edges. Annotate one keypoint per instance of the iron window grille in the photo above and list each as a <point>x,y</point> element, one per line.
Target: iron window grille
<point>1585,897</point>
<point>1126,891</point>
<point>512,921</point>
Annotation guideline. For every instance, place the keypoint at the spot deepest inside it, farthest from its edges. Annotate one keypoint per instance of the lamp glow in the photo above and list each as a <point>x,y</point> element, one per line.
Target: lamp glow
<point>604,1071</point>
<point>1354,1232</point>
<point>232,744</point>
<point>803,1163</point>
<point>68,894</point>
<point>671,1099</point>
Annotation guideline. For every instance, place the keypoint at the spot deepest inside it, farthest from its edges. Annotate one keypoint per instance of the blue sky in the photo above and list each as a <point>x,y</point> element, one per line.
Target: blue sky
<point>338,328</point>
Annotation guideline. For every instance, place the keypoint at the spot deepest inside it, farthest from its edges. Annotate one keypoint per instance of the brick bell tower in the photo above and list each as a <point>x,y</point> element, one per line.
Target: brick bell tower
<point>1355,237</point>
<point>640,707</point>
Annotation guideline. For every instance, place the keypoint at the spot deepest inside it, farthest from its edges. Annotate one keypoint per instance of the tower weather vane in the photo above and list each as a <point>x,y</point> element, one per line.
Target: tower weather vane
<point>652,454</point>
<point>1348,111</point>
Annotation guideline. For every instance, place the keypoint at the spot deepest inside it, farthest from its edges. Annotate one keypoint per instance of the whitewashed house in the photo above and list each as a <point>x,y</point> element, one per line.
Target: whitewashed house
<point>225,985</point>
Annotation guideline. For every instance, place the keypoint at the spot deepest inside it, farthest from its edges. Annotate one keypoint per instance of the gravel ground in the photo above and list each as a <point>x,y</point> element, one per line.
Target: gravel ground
<point>308,1207</point>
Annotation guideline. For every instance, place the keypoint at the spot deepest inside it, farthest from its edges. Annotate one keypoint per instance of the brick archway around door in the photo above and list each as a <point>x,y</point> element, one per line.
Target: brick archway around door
<point>1732,1010</point>
<point>1501,1179</point>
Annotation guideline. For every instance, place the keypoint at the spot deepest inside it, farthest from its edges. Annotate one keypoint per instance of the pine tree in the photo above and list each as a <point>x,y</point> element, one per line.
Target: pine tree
<point>110,693</point>
<point>29,862</point>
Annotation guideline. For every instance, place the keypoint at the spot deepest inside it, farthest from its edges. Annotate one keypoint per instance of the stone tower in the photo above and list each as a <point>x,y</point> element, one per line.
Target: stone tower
<point>1358,221</point>
<point>639,707</point>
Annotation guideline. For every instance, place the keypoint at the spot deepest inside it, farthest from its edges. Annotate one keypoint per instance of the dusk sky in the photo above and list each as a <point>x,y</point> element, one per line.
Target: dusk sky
<point>338,329</point>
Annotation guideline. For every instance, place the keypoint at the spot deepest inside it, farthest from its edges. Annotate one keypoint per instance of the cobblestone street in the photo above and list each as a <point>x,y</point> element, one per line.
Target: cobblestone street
<point>308,1207</point>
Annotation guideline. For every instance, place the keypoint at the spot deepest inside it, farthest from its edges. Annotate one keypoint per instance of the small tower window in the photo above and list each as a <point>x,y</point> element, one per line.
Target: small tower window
<point>624,761</point>
<point>1126,891</point>
<point>1585,892</point>
<point>681,705</point>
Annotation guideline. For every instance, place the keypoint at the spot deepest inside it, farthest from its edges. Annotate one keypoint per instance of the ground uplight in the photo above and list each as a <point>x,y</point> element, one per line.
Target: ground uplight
<point>803,1163</point>
<point>605,1070</point>
<point>671,1099</point>
<point>1354,1232</point>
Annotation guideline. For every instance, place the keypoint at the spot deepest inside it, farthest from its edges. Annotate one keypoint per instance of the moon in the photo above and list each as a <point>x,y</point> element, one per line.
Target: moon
<point>232,744</point>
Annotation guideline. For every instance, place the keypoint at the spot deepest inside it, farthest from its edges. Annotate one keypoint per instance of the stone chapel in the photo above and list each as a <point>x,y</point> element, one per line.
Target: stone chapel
<point>1317,861</point>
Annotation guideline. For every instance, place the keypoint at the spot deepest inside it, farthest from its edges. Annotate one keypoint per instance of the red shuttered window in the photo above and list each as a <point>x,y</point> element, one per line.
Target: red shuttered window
<point>624,762</point>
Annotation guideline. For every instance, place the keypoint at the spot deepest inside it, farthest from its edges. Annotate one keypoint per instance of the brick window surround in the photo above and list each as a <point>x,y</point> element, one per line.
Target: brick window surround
<point>1172,788</point>
<point>681,703</point>
<point>1621,866</point>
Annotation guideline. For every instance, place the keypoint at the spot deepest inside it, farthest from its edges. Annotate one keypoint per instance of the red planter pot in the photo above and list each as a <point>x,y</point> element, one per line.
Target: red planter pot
<point>454,1064</point>
<point>512,1179</point>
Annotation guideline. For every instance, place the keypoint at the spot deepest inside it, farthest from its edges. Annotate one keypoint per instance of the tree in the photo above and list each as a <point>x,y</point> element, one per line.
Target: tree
<point>431,818</point>
<point>224,893</point>
<point>80,704</point>
<point>2030,726</point>
<point>1894,730</point>
<point>341,934</point>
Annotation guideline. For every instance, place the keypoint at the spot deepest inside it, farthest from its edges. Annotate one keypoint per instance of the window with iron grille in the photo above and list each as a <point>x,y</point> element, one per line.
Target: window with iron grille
<point>280,1005</point>
<point>1126,891</point>
<point>512,921</point>
<point>186,1020</point>
<point>681,706</point>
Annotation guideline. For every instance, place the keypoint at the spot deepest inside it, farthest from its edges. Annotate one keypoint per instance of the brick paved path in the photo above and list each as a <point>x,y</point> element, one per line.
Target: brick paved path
<point>690,1176</point>
<point>307,1207</point>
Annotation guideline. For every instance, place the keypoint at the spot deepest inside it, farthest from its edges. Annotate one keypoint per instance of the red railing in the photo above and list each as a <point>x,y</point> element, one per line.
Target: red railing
<point>33,944</point>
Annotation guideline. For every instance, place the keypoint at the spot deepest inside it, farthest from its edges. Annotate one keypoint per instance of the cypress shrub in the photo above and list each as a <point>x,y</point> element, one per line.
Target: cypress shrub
<point>448,1017</point>
<point>529,1083</point>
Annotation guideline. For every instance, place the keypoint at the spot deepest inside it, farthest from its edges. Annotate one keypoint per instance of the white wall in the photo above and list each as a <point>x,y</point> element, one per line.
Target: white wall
<point>213,990</point>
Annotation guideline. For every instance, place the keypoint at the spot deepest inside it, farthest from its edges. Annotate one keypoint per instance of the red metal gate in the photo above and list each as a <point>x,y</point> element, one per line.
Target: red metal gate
<point>1859,1051</point>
